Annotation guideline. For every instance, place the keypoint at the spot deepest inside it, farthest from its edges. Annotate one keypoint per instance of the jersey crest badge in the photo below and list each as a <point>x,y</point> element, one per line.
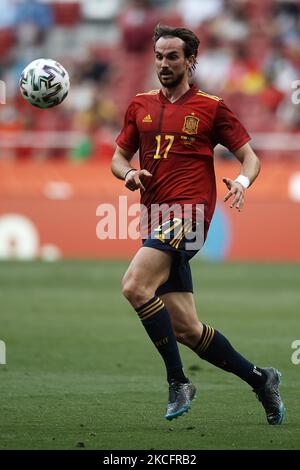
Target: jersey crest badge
<point>190,125</point>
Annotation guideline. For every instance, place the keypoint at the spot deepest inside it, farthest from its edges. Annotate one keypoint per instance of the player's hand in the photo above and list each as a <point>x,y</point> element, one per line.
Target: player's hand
<point>237,191</point>
<point>133,179</point>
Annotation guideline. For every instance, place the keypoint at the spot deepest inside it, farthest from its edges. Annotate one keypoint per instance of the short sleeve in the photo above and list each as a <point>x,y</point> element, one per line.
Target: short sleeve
<point>128,139</point>
<point>228,130</point>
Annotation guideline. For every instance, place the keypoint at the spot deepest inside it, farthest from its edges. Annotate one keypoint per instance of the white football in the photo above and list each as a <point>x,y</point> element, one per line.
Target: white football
<point>44,83</point>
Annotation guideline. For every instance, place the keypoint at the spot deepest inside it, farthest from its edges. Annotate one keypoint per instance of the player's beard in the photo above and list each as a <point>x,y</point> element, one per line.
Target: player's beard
<point>169,82</point>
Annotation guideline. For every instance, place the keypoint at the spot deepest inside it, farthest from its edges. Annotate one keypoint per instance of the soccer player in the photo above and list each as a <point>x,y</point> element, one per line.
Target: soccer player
<point>175,130</point>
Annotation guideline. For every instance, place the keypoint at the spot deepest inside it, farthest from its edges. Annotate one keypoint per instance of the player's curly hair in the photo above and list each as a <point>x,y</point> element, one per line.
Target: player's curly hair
<point>191,42</point>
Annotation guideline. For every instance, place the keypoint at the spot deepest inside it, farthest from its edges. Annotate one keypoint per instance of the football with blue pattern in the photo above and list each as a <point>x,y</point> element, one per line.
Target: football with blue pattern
<point>44,83</point>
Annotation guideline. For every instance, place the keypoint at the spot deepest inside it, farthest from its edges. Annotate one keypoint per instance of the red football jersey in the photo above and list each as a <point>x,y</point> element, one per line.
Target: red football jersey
<point>176,143</point>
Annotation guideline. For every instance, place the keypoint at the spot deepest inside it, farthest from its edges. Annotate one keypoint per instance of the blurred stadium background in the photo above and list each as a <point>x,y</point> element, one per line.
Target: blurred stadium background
<point>55,163</point>
<point>64,323</point>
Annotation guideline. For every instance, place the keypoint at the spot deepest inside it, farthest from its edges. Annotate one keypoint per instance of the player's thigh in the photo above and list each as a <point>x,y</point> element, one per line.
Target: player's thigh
<point>149,268</point>
<point>182,310</point>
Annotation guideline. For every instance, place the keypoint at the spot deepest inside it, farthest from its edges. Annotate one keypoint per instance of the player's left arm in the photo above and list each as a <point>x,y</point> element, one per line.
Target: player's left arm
<point>250,167</point>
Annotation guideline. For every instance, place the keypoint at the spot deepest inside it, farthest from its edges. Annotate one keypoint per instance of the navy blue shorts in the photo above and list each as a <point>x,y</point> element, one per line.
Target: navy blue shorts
<point>180,278</point>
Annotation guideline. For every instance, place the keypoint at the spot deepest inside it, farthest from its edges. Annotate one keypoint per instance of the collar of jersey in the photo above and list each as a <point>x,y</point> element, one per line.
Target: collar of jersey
<point>192,91</point>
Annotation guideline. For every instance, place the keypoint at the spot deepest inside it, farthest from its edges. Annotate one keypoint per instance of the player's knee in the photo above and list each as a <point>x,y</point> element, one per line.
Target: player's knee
<point>190,336</point>
<point>133,291</point>
<point>127,288</point>
<point>186,338</point>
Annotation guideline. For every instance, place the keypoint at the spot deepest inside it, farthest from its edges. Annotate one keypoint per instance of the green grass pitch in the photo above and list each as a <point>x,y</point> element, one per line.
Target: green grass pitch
<point>82,374</point>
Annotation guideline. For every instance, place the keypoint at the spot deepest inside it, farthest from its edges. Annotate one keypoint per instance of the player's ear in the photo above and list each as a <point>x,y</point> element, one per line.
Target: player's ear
<point>190,61</point>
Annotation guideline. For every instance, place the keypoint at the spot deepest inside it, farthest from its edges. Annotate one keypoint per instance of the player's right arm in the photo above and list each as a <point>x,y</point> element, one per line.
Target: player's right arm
<point>121,168</point>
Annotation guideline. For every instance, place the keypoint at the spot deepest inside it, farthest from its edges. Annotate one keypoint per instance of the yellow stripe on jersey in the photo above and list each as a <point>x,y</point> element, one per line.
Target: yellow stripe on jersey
<point>202,93</point>
<point>151,92</point>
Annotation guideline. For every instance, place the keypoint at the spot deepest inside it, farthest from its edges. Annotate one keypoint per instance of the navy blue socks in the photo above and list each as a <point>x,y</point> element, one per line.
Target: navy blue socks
<point>216,349</point>
<point>156,320</point>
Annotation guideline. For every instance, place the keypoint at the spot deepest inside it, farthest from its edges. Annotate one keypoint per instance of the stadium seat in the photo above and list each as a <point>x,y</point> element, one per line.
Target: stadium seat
<point>7,40</point>
<point>67,14</point>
